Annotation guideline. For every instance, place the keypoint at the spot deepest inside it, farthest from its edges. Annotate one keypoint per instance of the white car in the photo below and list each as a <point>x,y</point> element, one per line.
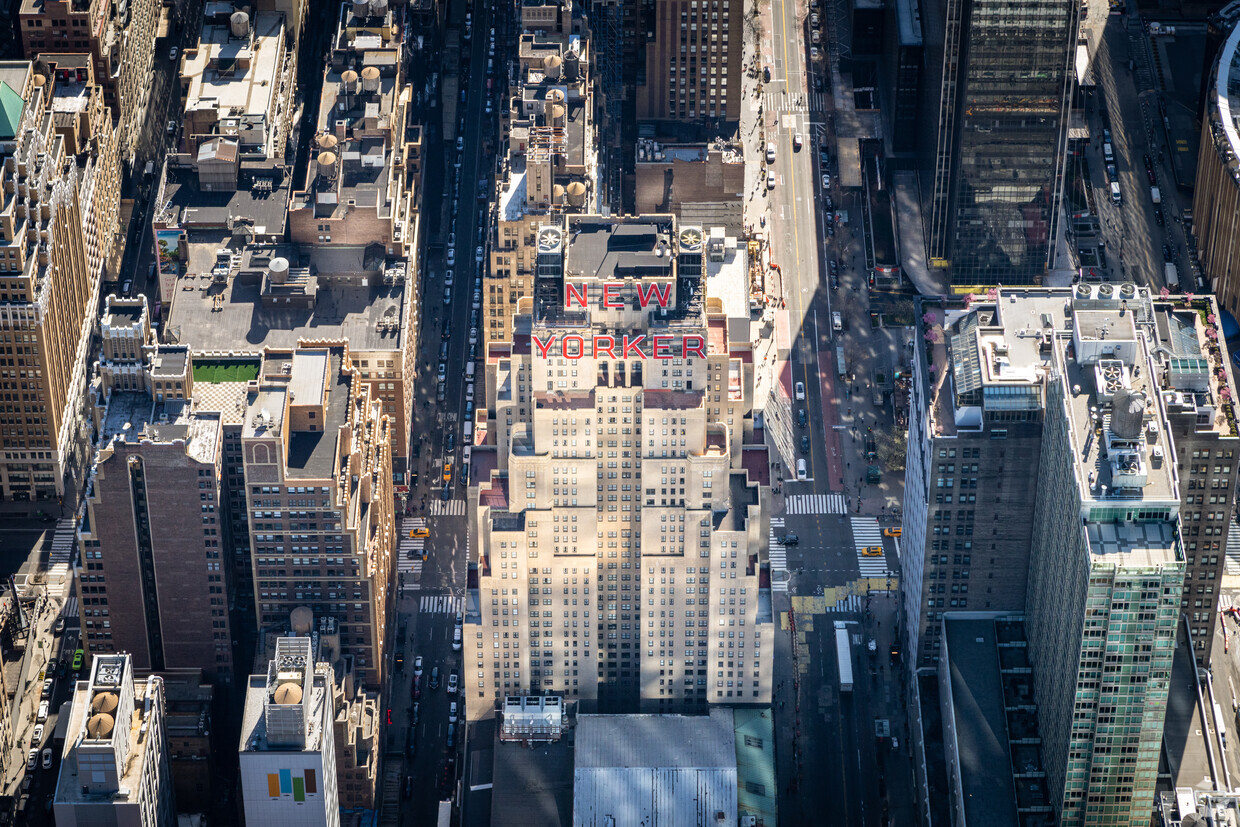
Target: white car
<point>770,180</point>
<point>44,708</point>
<point>800,391</point>
<point>173,52</point>
<point>477,299</point>
<point>36,737</point>
<point>47,758</point>
<point>451,256</point>
<point>826,181</point>
<point>798,141</point>
<point>456,639</point>
<point>478,254</point>
<point>448,277</point>
<point>460,143</point>
<point>452,712</point>
<point>32,759</point>
<point>452,684</point>
<point>447,295</point>
<point>814,54</point>
<point>443,371</point>
<point>417,666</point>
<point>801,471</point>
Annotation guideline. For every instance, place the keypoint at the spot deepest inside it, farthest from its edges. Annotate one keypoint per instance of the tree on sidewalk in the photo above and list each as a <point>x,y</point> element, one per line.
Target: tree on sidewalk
<point>891,446</point>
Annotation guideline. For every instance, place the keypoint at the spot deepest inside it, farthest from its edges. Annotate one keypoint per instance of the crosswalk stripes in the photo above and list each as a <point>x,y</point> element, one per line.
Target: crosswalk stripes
<point>866,533</point>
<point>410,549</point>
<point>816,504</point>
<point>70,608</point>
<point>451,508</point>
<point>779,558</point>
<point>63,542</point>
<point>439,604</point>
<point>1232,566</point>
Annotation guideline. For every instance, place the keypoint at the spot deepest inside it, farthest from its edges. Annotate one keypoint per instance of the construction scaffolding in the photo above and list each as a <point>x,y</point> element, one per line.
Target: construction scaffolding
<point>545,141</point>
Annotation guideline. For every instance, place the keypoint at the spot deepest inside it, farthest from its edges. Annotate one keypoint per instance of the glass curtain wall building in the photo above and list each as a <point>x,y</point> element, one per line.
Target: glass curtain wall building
<point>1002,125</point>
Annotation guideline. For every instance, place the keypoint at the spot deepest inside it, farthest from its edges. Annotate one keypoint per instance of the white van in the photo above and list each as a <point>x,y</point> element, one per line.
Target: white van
<point>469,370</point>
<point>1117,197</point>
<point>467,431</point>
<point>770,152</point>
<point>469,392</point>
<point>801,471</point>
<point>1108,153</point>
<point>837,321</point>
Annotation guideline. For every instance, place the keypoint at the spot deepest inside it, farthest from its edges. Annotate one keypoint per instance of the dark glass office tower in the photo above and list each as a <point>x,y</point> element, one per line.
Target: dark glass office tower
<point>1002,125</point>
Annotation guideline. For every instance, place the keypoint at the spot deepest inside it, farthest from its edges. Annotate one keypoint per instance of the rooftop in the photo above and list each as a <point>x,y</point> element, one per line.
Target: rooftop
<point>979,719</point>
<point>134,417</point>
<point>233,316</point>
<point>309,454</point>
<point>532,784</point>
<point>259,203</point>
<point>236,78</point>
<point>601,249</point>
<point>655,769</point>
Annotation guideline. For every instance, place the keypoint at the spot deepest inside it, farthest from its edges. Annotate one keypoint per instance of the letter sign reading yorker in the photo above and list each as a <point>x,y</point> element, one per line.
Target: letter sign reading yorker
<point>573,346</point>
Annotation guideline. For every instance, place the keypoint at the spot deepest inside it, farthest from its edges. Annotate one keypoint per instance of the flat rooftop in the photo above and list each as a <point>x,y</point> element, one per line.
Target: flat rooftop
<point>186,205</point>
<point>532,784</point>
<point>1133,545</point>
<point>980,720</point>
<point>135,417</point>
<point>238,321</point>
<point>728,280</point>
<point>68,784</point>
<point>310,455</point>
<point>254,723</point>
<point>601,249</point>
<point>213,75</point>
<point>655,769</point>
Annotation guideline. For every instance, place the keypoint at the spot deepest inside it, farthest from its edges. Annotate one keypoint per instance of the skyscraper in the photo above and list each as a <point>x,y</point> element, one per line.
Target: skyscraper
<point>50,297</point>
<point>155,574</point>
<point>693,61</point>
<point>115,765</point>
<point>1003,119</point>
<point>318,473</point>
<point>619,558</point>
<point>1101,422</point>
<point>287,751</point>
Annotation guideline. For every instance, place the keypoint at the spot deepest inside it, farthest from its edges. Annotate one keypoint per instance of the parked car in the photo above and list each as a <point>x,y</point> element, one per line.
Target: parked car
<point>47,758</point>
<point>417,666</point>
<point>452,684</point>
<point>32,759</point>
<point>460,143</point>
<point>36,737</point>
<point>456,639</point>
<point>800,391</point>
<point>452,712</point>
<point>451,256</point>
<point>804,444</point>
<point>44,708</point>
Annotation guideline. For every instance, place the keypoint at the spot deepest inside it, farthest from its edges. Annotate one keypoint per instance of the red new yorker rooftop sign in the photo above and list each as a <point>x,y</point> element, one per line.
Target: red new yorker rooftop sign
<point>573,346</point>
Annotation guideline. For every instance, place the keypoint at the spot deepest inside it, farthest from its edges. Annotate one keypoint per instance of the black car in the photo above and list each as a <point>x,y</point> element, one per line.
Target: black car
<point>446,493</point>
<point>1167,256</point>
<point>835,281</point>
<point>818,84</point>
<point>1153,178</point>
<point>789,539</point>
<point>1112,173</point>
<point>766,73</point>
<point>802,418</point>
<point>435,678</point>
<point>1158,216</point>
<point>1106,136</point>
<point>805,445</point>
<point>450,442</point>
<point>1149,164</point>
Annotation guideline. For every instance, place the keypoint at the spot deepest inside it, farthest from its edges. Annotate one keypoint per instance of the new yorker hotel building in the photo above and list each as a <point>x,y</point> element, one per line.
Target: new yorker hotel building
<point>621,512</point>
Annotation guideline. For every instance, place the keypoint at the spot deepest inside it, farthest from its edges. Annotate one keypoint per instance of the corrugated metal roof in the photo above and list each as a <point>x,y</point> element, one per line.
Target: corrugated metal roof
<point>654,770</point>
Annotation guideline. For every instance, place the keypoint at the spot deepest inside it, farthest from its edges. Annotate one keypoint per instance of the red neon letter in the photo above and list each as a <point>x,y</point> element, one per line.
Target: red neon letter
<point>610,300</point>
<point>581,346</point>
<point>661,347</point>
<point>663,296</point>
<point>543,348</point>
<point>571,293</point>
<point>633,344</point>
<point>604,345</point>
<point>698,348</point>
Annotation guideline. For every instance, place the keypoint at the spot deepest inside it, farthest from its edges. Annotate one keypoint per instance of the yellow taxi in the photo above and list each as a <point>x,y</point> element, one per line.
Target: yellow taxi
<point>892,532</point>
<point>447,471</point>
<point>421,531</point>
<point>872,551</point>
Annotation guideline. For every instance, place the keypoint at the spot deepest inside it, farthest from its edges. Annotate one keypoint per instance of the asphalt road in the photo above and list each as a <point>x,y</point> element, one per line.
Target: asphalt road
<point>451,179</point>
<point>1133,238</point>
